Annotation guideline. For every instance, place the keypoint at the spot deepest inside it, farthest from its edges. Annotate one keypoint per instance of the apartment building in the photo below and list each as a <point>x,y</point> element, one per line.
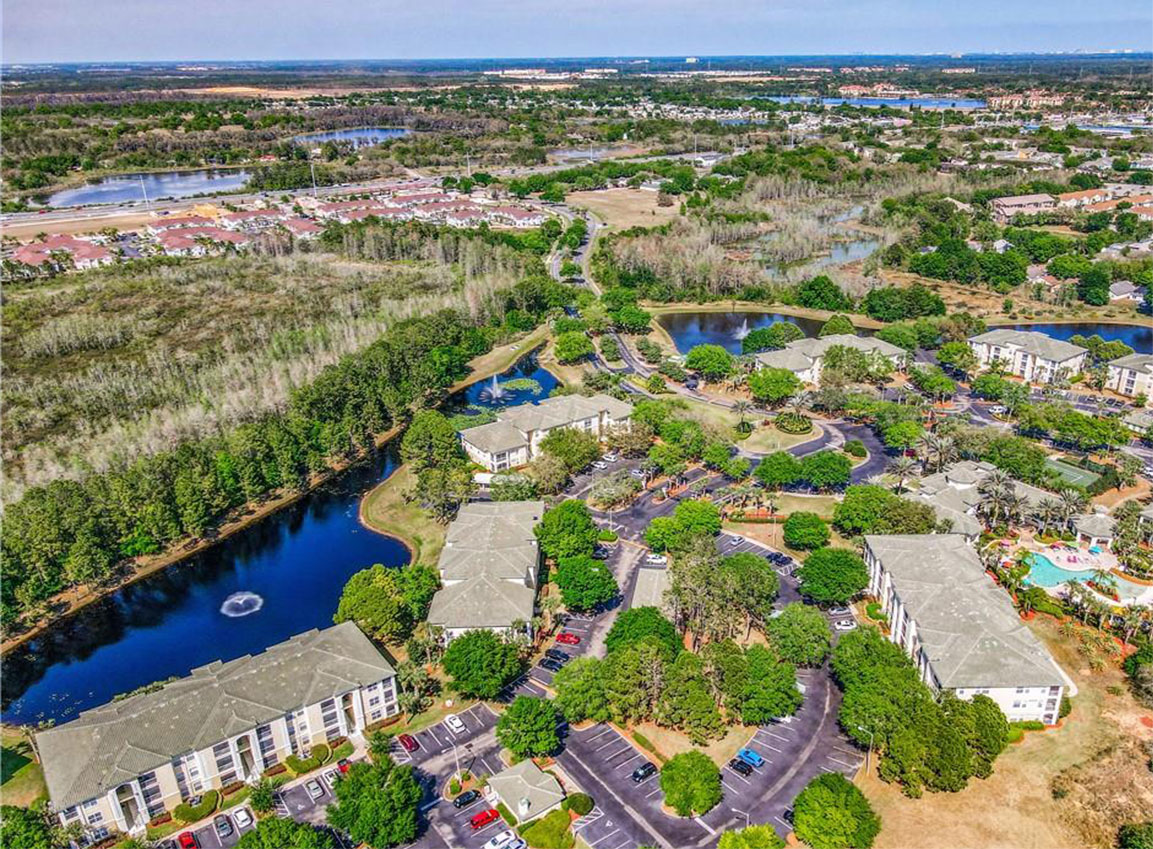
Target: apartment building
<point>1131,376</point>
<point>1032,356</point>
<point>117,766</point>
<point>488,569</point>
<point>515,437</point>
<point>1005,208</point>
<point>805,357</point>
<point>959,627</point>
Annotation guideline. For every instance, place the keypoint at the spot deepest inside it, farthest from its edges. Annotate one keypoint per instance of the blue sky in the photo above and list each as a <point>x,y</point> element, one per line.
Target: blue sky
<point>155,30</point>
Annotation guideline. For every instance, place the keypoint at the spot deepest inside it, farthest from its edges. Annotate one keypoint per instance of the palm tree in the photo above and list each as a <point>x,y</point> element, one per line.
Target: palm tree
<point>742,408</point>
<point>902,467</point>
<point>1072,503</point>
<point>1014,506</point>
<point>1131,620</point>
<point>1047,511</point>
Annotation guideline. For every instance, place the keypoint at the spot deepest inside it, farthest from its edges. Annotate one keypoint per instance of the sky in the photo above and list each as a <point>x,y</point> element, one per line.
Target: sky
<point>185,30</point>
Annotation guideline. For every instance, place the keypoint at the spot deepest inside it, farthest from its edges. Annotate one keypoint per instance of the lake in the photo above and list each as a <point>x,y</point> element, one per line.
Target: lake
<point>126,188</point>
<point>360,136</point>
<point>295,561</point>
<point>726,329</point>
<point>1140,339</point>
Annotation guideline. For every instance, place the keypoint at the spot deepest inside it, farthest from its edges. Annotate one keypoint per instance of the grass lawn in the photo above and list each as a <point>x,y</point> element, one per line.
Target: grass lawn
<point>765,440</point>
<point>621,209</point>
<point>21,778</point>
<point>670,742</point>
<point>1071,474</point>
<point>501,358</point>
<point>1096,754</point>
<point>385,510</point>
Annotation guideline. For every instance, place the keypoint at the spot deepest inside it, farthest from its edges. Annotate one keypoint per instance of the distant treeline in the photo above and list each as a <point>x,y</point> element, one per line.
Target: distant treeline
<point>75,532</point>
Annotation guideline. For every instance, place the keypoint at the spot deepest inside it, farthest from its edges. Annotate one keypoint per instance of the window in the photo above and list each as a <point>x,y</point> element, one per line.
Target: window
<point>92,812</point>
<point>374,701</point>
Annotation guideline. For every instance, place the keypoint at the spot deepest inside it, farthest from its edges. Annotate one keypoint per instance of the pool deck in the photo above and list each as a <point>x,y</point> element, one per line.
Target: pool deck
<point>1079,560</point>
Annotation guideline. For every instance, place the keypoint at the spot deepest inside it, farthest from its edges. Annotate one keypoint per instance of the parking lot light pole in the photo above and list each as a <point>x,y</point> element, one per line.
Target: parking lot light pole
<point>456,754</point>
<point>868,751</point>
<point>745,814</point>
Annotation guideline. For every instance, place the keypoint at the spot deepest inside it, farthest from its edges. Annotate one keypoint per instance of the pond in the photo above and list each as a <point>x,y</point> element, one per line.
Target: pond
<point>360,136</point>
<point>279,577</point>
<point>726,329</point>
<point>1139,338</point>
<point>126,188</point>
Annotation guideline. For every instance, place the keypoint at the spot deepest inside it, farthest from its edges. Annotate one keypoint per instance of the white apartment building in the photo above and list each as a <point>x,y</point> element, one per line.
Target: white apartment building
<point>959,627</point>
<point>1032,356</point>
<point>1131,376</point>
<point>118,766</point>
<point>515,437</point>
<point>805,357</point>
<point>488,569</point>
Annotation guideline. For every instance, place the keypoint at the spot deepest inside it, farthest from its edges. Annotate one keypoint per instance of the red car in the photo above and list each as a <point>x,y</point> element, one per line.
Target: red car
<point>568,639</point>
<point>187,840</point>
<point>343,764</point>
<point>408,742</point>
<point>484,818</point>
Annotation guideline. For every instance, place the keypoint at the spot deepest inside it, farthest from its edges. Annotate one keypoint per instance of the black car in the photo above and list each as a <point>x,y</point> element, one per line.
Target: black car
<point>643,771</point>
<point>223,826</point>
<point>787,816</point>
<point>466,798</point>
<point>737,765</point>
<point>549,664</point>
<point>557,655</point>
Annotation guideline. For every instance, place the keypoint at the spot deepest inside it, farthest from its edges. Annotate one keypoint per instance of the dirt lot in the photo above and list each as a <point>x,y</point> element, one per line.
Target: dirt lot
<point>621,209</point>
<point>28,230</point>
<point>1095,758</point>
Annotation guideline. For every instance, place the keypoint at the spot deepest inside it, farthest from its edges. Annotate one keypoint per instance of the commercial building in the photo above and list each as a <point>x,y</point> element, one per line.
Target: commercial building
<point>959,627</point>
<point>515,437</point>
<point>1131,375</point>
<point>115,767</point>
<point>955,495</point>
<point>1032,356</point>
<point>488,569</point>
<point>805,357</point>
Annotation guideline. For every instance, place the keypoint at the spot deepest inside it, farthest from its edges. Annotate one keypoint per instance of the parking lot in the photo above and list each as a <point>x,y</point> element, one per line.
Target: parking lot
<point>207,838</point>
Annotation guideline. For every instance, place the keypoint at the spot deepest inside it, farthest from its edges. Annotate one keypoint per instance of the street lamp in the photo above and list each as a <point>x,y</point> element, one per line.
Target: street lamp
<point>868,751</point>
<point>745,814</point>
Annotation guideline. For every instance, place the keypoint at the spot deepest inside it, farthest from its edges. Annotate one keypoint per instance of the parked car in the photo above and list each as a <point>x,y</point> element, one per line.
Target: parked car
<point>188,840</point>
<point>656,559</point>
<point>484,818</point>
<point>567,639</point>
<point>637,473</point>
<point>223,826</point>
<point>737,765</point>
<point>751,758</point>
<point>844,625</point>
<point>611,457</point>
<point>549,664</point>
<point>315,791</point>
<point>243,818</point>
<point>343,764</point>
<point>735,540</point>
<point>455,724</point>
<point>465,799</point>
<point>599,465</point>
<point>504,840</point>
<point>600,553</point>
<point>787,816</point>
<point>840,610</point>
<point>408,742</point>
<point>331,776</point>
<point>557,655</point>
<point>643,771</point>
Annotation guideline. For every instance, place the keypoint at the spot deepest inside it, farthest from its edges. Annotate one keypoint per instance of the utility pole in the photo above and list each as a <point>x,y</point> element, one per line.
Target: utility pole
<point>312,170</point>
<point>868,751</point>
<point>144,189</point>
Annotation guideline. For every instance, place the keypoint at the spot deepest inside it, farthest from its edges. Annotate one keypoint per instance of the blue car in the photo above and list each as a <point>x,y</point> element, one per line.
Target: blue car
<point>751,758</point>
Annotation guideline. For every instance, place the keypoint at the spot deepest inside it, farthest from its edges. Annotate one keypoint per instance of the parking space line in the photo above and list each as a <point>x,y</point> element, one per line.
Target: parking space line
<point>600,734</point>
<point>844,763</point>
<point>630,759</point>
<point>774,748</point>
<point>737,775</point>
<point>778,736</point>
<point>785,823</point>
<point>603,837</point>
<point>609,743</point>
<point>731,790</point>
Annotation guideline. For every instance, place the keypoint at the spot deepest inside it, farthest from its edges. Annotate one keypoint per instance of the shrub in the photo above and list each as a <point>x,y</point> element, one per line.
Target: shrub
<point>232,788</point>
<point>607,536</point>
<point>549,832</point>
<point>505,813</point>
<point>300,766</point>
<point>580,803</point>
<point>805,531</point>
<point>454,787</point>
<point>344,750</point>
<point>155,822</point>
<point>691,783</point>
<point>856,448</point>
<point>188,814</point>
<point>644,742</point>
<point>1066,707</point>
<point>276,769</point>
<point>610,350</point>
<point>790,422</point>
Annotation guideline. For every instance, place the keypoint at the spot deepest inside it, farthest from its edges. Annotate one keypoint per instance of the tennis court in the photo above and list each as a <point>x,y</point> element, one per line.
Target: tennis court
<point>1072,474</point>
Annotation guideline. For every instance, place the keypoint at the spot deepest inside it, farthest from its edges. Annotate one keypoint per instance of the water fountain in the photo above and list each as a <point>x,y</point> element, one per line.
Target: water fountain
<point>241,604</point>
<point>493,392</point>
<point>742,331</point>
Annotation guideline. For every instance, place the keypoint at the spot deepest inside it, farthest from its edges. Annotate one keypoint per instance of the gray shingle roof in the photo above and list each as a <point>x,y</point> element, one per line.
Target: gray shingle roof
<point>489,566</point>
<point>513,425</point>
<point>1136,362</point>
<point>954,494</point>
<point>526,781</point>
<point>111,744</point>
<point>1098,525</point>
<point>800,354</point>
<point>1033,342</point>
<point>967,625</point>
<point>494,437</point>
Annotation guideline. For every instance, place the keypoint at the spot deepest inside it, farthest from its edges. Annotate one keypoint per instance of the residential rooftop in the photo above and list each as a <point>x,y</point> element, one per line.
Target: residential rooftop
<point>1033,342</point>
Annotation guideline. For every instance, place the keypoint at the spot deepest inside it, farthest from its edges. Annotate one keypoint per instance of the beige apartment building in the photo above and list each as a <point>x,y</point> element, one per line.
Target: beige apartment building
<point>1032,356</point>
<point>117,766</point>
<point>1131,376</point>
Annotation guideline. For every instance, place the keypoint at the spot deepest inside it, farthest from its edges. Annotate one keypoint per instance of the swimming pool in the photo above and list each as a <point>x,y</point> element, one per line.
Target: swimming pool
<point>1044,573</point>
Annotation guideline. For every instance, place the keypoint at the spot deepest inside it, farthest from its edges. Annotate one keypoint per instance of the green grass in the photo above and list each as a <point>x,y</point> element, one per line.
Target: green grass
<point>1072,474</point>
<point>21,778</point>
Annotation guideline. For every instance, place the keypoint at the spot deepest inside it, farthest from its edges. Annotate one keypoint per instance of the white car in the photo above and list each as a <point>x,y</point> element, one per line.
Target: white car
<point>597,464</point>
<point>734,541</point>
<point>840,611</point>
<point>315,791</point>
<point>610,457</point>
<point>243,819</point>
<point>656,560</point>
<point>637,473</point>
<point>844,625</point>
<point>455,724</point>
<point>502,840</point>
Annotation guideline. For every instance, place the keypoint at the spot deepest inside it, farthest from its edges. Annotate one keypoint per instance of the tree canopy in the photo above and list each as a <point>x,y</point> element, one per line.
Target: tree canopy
<point>481,663</point>
<point>567,530</point>
<point>529,727</point>
<point>833,575</point>
<point>691,783</point>
<point>831,813</point>
<point>280,832</point>
<point>387,603</point>
<point>585,583</point>
<point>800,634</point>
<point>377,804</point>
